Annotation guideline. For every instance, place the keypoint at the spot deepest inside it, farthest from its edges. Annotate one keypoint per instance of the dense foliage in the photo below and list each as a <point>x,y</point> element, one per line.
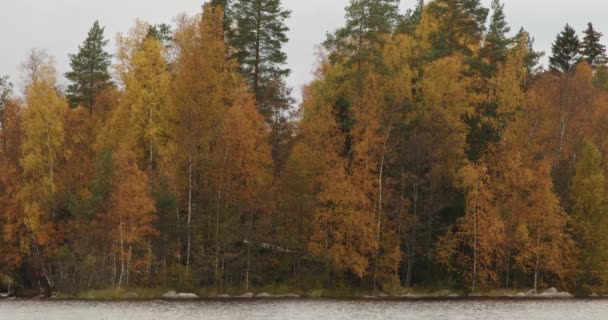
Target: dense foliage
<point>429,150</point>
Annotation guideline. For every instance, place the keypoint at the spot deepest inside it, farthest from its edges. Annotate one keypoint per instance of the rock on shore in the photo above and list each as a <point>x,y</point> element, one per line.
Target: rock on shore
<point>551,293</point>
<point>179,296</point>
<point>246,295</point>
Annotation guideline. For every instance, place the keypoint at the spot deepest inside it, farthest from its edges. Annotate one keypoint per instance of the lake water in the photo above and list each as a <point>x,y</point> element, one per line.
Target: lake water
<point>306,309</point>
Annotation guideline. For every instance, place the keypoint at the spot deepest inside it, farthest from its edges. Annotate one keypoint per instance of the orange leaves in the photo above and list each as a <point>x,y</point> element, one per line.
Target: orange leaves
<point>131,205</point>
<point>482,229</point>
<point>344,224</point>
<point>245,144</point>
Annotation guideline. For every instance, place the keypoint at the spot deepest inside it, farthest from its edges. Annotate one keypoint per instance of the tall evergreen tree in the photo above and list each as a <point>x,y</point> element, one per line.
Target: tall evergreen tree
<point>89,73</point>
<point>366,20</point>
<point>459,26</point>
<point>496,43</point>
<point>258,42</point>
<point>565,50</point>
<point>411,19</point>
<point>591,49</point>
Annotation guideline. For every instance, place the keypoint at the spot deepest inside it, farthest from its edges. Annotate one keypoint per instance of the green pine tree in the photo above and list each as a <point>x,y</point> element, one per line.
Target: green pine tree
<point>89,73</point>
<point>461,26</point>
<point>591,49</point>
<point>496,43</point>
<point>565,50</point>
<point>258,43</point>
<point>162,32</point>
<point>411,19</point>
<point>366,20</point>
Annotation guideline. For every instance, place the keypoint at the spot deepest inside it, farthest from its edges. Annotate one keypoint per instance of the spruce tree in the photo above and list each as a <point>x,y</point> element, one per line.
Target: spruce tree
<point>366,20</point>
<point>89,73</point>
<point>591,49</point>
<point>258,43</point>
<point>496,43</point>
<point>565,50</point>
<point>411,19</point>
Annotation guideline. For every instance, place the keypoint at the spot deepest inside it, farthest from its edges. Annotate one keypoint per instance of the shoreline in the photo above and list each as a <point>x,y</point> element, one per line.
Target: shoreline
<point>172,296</point>
<point>361,299</point>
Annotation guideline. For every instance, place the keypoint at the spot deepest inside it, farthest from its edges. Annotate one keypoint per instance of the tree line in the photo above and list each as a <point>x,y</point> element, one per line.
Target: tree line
<point>428,150</point>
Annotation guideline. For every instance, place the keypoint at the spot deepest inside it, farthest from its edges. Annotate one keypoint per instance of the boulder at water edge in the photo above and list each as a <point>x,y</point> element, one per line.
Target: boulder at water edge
<point>554,293</point>
<point>187,296</point>
<point>180,296</point>
<point>263,295</point>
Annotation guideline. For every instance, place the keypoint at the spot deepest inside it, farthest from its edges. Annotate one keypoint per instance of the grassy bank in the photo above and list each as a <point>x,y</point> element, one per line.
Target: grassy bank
<point>274,291</point>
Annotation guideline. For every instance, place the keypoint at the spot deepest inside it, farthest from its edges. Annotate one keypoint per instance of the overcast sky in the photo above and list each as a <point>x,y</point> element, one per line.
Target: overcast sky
<point>59,26</point>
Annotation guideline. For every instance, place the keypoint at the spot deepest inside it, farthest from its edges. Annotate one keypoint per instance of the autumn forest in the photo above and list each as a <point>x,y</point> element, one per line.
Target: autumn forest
<point>431,150</point>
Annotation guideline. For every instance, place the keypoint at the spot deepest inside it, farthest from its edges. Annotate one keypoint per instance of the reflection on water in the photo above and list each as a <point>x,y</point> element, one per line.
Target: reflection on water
<point>305,309</point>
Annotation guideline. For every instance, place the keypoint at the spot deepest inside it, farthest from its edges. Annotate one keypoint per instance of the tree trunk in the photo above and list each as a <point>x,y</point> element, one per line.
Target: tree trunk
<point>249,250</point>
<point>412,247</point>
<point>189,212</point>
<point>474,247</point>
<point>128,264</point>
<point>217,217</point>
<point>149,267</point>
<point>248,263</point>
<point>179,238</point>
<point>114,265</point>
<point>379,223</point>
<point>537,264</point>
<point>122,255</point>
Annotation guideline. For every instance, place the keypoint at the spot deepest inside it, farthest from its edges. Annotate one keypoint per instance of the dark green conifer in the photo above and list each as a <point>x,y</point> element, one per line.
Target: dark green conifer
<point>411,19</point>
<point>565,50</point>
<point>261,33</point>
<point>461,26</point>
<point>591,49</point>
<point>366,20</point>
<point>496,42</point>
<point>89,73</point>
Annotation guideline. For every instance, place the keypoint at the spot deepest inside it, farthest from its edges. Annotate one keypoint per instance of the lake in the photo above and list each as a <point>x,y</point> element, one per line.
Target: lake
<point>306,309</point>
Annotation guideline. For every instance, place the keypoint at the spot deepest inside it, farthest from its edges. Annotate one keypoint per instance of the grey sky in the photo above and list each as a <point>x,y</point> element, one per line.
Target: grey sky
<point>61,25</point>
